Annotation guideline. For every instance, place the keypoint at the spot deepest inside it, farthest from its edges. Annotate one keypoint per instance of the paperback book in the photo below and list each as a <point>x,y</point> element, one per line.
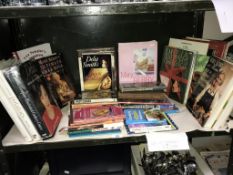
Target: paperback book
<point>176,72</point>
<point>212,91</point>
<point>96,114</point>
<point>139,120</point>
<point>59,84</point>
<point>97,69</point>
<point>137,65</point>
<point>33,52</point>
<point>28,83</point>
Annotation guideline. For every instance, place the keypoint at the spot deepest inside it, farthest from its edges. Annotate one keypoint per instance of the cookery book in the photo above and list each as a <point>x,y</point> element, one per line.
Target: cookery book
<point>58,82</point>
<point>29,85</point>
<point>97,69</point>
<point>211,92</point>
<point>176,72</point>
<point>137,64</point>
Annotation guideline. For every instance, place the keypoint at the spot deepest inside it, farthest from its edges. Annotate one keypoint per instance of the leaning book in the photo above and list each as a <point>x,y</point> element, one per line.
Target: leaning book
<point>28,83</point>
<point>176,72</point>
<point>97,69</point>
<point>212,91</point>
<point>58,82</point>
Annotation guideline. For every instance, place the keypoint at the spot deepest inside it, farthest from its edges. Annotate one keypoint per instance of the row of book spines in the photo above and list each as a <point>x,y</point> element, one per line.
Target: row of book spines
<point>25,98</point>
<point>17,112</point>
<point>90,133</point>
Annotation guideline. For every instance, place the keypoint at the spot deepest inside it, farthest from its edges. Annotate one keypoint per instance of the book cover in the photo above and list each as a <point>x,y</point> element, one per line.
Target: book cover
<point>137,62</point>
<point>212,91</point>
<point>153,120</point>
<point>28,83</point>
<point>16,110</point>
<point>60,87</point>
<point>176,72</point>
<point>98,113</point>
<point>217,48</point>
<point>33,52</point>
<point>224,114</point>
<point>229,51</point>
<point>97,69</point>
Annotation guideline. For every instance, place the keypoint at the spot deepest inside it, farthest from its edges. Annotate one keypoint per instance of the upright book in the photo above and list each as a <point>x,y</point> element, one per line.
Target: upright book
<point>97,69</point>
<point>176,72</point>
<point>33,52</point>
<point>29,85</point>
<point>138,65</point>
<point>59,84</point>
<point>212,92</point>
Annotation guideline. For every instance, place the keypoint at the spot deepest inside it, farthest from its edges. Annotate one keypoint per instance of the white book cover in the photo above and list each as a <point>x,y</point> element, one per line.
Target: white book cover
<point>34,52</point>
<point>194,46</point>
<point>12,113</point>
<point>18,113</point>
<point>224,114</point>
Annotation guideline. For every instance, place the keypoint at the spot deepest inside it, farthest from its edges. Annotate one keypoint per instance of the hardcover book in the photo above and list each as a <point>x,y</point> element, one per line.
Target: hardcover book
<point>33,52</point>
<point>200,49</point>
<point>28,83</point>
<point>97,69</point>
<point>59,84</point>
<point>138,63</point>
<point>176,72</point>
<point>211,92</point>
<point>217,48</point>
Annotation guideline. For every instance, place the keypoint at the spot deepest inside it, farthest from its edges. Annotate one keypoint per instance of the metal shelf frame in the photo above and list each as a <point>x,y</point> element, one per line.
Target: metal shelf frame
<point>106,9</point>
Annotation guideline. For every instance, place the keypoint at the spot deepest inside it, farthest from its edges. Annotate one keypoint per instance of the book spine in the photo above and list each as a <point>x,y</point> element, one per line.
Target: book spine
<point>13,77</point>
<point>113,131</point>
<point>224,115</point>
<point>13,114</point>
<point>17,106</point>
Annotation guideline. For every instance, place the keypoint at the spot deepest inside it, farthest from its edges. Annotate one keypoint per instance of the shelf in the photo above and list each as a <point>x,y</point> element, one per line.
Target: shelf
<point>106,9</point>
<point>14,142</point>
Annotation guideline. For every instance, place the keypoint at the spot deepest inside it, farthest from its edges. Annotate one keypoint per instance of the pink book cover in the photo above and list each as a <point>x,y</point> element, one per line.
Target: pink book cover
<point>138,62</point>
<point>97,114</point>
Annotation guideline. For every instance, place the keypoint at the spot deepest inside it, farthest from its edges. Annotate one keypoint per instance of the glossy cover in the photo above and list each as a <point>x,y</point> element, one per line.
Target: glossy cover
<point>176,72</point>
<point>28,83</point>
<point>137,62</point>
<point>59,84</point>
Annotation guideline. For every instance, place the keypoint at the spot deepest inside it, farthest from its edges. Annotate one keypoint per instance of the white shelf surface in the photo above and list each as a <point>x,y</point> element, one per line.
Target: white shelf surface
<point>184,121</point>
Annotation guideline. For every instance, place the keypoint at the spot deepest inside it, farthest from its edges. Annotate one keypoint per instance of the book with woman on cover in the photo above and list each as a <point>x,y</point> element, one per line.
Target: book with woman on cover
<point>28,83</point>
<point>176,72</point>
<point>212,91</point>
<point>97,69</point>
<point>59,84</point>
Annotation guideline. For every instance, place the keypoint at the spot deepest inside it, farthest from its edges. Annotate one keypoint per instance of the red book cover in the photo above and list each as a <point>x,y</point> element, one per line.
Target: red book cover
<point>97,114</point>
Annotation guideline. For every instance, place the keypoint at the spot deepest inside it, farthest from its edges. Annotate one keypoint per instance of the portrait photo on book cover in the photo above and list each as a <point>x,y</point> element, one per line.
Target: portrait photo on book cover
<point>64,89</point>
<point>204,99</point>
<point>144,61</point>
<point>51,114</point>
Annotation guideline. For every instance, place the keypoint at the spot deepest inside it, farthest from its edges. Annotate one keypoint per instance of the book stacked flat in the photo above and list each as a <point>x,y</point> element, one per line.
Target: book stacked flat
<point>146,118</point>
<point>94,119</point>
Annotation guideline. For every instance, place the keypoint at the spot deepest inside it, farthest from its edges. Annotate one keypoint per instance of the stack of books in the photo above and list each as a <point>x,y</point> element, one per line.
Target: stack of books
<point>88,119</point>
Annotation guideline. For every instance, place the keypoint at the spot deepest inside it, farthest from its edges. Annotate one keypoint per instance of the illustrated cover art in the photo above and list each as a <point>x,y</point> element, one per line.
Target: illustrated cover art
<point>211,92</point>
<point>97,69</point>
<point>137,62</point>
<point>95,114</point>
<point>176,72</point>
<point>28,83</point>
<point>33,52</point>
<point>58,82</point>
